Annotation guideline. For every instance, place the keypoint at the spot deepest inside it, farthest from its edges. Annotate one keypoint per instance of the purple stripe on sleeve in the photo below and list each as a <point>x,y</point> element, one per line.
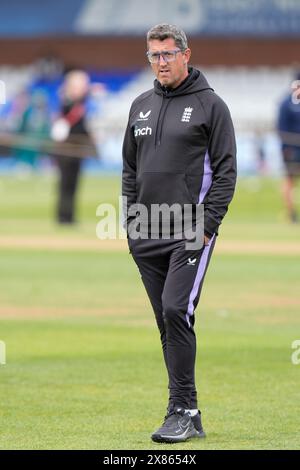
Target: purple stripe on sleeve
<point>207,178</point>
<point>206,183</point>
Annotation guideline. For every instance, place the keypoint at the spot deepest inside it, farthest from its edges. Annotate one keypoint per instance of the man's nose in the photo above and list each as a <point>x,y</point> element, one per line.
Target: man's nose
<point>162,60</point>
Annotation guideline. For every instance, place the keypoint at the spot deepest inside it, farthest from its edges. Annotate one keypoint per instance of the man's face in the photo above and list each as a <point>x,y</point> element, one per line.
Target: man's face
<point>172,73</point>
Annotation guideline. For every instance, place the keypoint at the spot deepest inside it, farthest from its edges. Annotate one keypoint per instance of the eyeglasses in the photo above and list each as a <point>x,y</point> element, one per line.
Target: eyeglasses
<point>168,56</point>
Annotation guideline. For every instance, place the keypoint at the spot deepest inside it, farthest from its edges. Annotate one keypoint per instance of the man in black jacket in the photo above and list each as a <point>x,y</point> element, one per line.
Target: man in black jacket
<point>179,148</point>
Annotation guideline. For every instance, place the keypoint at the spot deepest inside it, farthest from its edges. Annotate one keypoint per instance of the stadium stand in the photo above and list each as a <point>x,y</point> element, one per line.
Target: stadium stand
<point>246,49</point>
<point>251,116</point>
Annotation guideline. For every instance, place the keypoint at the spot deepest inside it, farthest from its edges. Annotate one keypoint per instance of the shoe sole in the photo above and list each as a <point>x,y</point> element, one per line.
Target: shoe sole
<point>174,439</point>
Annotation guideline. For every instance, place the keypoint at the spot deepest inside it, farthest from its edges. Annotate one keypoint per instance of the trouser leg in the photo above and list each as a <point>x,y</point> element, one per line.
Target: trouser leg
<point>153,273</point>
<point>179,300</point>
<point>173,287</point>
<point>69,169</point>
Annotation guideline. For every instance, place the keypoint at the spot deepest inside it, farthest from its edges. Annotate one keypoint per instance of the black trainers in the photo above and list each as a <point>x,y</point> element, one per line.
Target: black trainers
<point>178,427</point>
<point>198,424</point>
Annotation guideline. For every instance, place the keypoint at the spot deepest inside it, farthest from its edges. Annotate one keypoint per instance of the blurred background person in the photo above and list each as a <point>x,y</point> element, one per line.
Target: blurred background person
<point>11,121</point>
<point>71,128</point>
<point>34,127</point>
<point>289,131</point>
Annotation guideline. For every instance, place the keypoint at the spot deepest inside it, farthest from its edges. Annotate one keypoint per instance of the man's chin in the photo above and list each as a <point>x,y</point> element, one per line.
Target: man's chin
<point>165,82</point>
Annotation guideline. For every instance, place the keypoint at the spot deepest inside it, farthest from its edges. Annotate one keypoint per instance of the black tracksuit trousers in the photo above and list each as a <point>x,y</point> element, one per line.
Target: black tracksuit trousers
<point>173,278</point>
<point>69,172</point>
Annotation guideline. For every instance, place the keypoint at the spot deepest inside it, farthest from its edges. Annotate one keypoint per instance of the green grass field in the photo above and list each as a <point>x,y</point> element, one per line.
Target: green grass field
<point>84,365</point>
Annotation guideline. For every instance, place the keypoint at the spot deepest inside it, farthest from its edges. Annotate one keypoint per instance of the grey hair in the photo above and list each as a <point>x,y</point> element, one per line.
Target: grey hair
<point>164,31</point>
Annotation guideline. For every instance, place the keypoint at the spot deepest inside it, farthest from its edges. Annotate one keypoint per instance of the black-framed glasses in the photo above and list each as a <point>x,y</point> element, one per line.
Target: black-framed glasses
<point>168,56</point>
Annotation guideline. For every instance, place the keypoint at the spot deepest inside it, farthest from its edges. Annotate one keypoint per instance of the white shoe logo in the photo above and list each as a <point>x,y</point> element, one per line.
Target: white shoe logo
<point>144,117</point>
<point>182,427</point>
<point>191,262</point>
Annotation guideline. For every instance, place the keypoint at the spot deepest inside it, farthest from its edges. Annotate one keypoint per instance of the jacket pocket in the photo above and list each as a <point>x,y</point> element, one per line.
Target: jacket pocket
<point>163,187</point>
<point>192,183</point>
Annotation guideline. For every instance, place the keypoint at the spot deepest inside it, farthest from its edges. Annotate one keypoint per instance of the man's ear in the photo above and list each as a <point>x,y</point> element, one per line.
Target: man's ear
<point>187,56</point>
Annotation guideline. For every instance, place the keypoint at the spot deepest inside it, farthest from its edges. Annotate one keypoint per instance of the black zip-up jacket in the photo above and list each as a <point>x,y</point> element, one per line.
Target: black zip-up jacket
<point>179,147</point>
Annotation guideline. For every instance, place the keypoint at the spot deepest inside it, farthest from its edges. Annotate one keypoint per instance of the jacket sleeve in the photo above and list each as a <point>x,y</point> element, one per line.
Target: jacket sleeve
<point>222,153</point>
<point>129,170</point>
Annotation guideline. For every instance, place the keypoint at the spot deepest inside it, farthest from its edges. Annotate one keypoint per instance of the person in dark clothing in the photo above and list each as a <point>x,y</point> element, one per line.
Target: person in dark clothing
<point>289,132</point>
<point>71,129</point>
<point>179,148</point>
